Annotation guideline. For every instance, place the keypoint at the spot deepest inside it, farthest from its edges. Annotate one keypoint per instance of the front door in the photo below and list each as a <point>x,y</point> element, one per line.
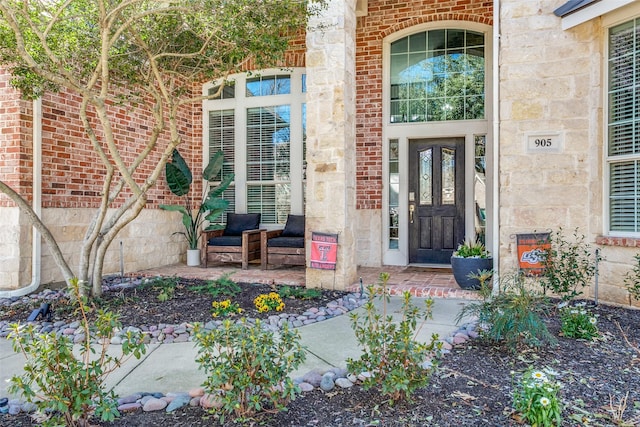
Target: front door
<point>436,199</point>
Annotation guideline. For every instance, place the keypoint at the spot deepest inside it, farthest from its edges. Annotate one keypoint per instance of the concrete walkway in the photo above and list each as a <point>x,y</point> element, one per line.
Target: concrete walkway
<point>172,367</point>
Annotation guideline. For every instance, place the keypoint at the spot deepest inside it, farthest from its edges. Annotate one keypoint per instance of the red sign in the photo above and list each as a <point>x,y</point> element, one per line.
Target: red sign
<point>532,252</point>
<point>324,251</point>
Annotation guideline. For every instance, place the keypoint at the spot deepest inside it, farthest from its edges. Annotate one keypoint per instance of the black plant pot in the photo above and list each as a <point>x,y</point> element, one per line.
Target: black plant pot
<point>462,267</point>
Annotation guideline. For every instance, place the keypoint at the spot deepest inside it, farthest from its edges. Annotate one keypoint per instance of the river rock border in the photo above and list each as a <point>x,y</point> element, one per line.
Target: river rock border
<point>316,379</point>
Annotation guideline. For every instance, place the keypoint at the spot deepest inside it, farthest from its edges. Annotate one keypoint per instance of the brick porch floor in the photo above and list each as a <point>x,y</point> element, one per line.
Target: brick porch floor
<point>419,281</point>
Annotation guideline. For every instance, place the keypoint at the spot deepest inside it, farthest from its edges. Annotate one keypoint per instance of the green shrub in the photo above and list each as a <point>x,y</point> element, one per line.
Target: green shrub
<point>398,363</point>
<point>632,280</point>
<point>298,292</point>
<point>569,265</point>
<point>166,287</point>
<point>248,366</point>
<point>536,398</point>
<point>222,286</point>
<point>71,389</point>
<point>578,322</point>
<point>513,315</point>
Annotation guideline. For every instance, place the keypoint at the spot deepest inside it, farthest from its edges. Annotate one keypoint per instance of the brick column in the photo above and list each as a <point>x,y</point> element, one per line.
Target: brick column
<point>331,166</point>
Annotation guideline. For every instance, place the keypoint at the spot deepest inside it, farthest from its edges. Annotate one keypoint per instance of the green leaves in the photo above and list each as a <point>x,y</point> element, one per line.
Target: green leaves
<point>249,366</point>
<point>72,386</point>
<point>179,179</point>
<point>397,362</point>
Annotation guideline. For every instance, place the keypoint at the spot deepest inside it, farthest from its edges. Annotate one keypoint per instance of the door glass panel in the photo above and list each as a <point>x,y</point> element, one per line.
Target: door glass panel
<point>394,191</point>
<point>426,177</point>
<point>448,176</point>
<point>479,187</point>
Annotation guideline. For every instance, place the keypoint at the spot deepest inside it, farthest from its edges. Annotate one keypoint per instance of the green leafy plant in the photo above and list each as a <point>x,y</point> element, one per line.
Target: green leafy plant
<point>398,364</point>
<point>536,398</point>
<point>568,266</point>
<point>632,280</point>
<point>470,249</point>
<point>268,302</point>
<point>249,367</point>
<point>513,315</point>
<point>222,286</point>
<point>578,322</point>
<point>179,179</point>
<point>225,308</point>
<point>166,287</point>
<point>68,388</point>
<point>297,292</point>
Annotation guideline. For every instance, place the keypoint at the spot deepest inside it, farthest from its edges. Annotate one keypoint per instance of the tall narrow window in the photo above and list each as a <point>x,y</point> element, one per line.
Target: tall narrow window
<point>479,187</point>
<point>624,127</point>
<point>394,191</point>
<point>222,137</point>
<point>268,162</point>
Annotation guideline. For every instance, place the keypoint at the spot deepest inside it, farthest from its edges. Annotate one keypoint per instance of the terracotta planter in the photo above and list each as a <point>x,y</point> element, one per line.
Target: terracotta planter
<point>462,267</point>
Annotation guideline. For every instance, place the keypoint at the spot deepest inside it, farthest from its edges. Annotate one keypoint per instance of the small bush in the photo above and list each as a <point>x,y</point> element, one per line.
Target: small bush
<point>248,367</point>
<point>166,287</point>
<point>632,280</point>
<point>398,363</point>
<point>569,266</point>
<point>269,302</point>
<point>578,322</point>
<point>67,388</point>
<point>536,398</point>
<point>297,292</point>
<point>513,315</point>
<point>222,286</point>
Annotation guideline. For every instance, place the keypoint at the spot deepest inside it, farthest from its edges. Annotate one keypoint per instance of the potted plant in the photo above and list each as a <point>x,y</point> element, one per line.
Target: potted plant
<point>468,261</point>
<point>211,206</point>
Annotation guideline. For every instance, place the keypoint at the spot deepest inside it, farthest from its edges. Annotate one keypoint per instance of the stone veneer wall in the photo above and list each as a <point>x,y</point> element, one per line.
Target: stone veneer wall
<point>552,80</point>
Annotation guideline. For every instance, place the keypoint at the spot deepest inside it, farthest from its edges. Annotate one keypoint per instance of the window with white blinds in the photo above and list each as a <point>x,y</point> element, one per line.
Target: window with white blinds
<point>268,162</point>
<point>261,130</point>
<point>623,124</point>
<point>222,137</point>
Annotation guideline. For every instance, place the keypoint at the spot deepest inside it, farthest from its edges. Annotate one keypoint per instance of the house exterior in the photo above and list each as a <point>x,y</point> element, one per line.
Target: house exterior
<point>404,127</point>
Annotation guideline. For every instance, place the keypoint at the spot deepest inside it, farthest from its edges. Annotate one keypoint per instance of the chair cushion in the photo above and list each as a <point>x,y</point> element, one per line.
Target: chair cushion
<point>237,223</point>
<point>294,226</point>
<point>286,242</point>
<point>226,241</point>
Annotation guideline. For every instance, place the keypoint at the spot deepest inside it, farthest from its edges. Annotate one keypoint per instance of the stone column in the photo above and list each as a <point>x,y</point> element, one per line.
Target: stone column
<point>331,166</point>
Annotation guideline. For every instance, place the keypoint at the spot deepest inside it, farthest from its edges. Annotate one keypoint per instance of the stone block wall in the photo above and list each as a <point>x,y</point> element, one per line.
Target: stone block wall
<point>551,80</point>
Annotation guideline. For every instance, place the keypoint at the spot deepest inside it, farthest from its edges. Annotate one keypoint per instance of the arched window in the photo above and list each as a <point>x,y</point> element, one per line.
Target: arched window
<point>437,75</point>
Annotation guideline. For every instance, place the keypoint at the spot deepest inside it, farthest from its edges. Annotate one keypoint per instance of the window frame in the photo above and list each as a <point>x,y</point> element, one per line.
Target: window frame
<point>296,99</point>
<point>617,18</point>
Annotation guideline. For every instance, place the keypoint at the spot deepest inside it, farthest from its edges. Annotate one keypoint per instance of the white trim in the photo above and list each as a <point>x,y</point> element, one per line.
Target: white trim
<point>592,11</point>
<point>628,14</point>
<point>403,132</point>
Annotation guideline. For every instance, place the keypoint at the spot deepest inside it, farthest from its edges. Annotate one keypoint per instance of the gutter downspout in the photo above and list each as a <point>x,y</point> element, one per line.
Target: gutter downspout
<point>495,220</point>
<point>36,260</point>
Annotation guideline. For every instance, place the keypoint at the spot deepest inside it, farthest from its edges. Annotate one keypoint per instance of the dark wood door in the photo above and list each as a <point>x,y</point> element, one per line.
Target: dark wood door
<point>436,199</point>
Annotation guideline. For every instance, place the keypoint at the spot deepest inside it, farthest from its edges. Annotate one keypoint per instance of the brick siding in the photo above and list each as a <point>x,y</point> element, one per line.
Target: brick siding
<point>384,18</point>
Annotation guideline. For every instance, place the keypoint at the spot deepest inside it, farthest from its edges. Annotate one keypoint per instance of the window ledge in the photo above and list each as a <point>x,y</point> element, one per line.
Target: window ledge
<point>629,242</point>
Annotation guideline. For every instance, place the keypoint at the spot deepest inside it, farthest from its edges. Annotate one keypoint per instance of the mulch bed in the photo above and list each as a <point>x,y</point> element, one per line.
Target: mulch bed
<point>472,387</point>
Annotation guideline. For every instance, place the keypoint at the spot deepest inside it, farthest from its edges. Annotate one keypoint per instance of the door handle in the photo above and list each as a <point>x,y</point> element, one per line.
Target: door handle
<point>412,208</point>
